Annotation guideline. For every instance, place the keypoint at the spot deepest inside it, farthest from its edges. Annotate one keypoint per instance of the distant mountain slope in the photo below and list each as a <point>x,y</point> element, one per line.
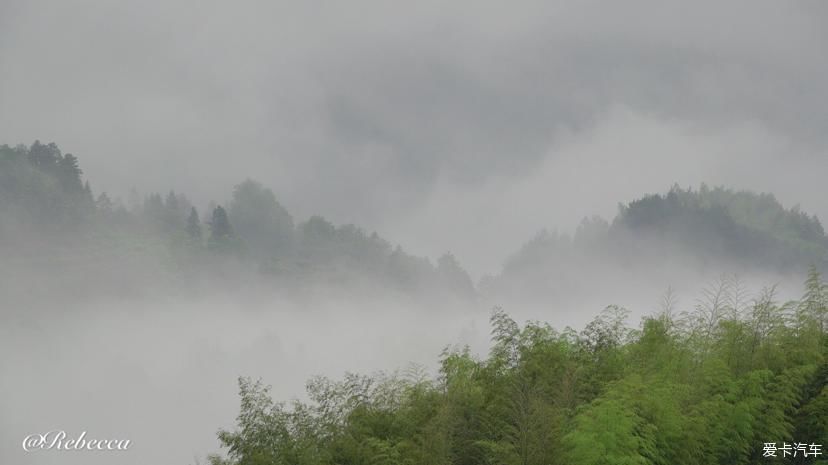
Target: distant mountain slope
<point>709,229</point>
<point>52,228</point>
<point>51,224</point>
<point>739,224</point>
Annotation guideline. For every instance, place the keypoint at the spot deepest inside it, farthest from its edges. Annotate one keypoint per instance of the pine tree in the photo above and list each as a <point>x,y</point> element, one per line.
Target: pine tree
<point>194,225</point>
<point>221,233</point>
<point>260,220</point>
<point>454,277</point>
<point>69,174</point>
<point>104,204</point>
<point>44,157</point>
<point>171,215</point>
<point>171,203</point>
<point>154,208</point>
<point>87,198</point>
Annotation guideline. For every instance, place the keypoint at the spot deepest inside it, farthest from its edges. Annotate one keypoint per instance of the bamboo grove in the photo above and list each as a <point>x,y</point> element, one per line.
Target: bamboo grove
<point>712,385</point>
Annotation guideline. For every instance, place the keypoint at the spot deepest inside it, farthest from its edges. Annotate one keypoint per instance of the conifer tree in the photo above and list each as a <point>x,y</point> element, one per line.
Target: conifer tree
<point>221,233</point>
<point>194,225</point>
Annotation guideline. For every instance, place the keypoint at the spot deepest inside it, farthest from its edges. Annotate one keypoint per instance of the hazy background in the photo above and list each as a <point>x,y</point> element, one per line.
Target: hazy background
<point>430,122</point>
<point>462,126</point>
<point>163,371</point>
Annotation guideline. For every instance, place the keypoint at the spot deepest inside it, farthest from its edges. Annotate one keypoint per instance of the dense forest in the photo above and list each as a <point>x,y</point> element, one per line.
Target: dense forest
<point>372,232</point>
<point>753,229</point>
<point>718,383</point>
<point>50,215</point>
<point>731,381</point>
<point>707,230</point>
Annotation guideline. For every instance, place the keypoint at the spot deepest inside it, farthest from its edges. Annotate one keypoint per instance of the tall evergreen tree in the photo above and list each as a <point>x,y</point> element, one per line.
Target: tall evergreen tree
<point>194,225</point>
<point>104,204</point>
<point>454,277</point>
<point>44,156</point>
<point>221,233</point>
<point>260,220</point>
<point>172,216</point>
<point>69,174</point>
<point>171,203</point>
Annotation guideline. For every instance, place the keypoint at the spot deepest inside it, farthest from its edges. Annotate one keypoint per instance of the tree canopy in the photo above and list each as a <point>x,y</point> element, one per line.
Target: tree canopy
<point>681,389</point>
<point>47,205</point>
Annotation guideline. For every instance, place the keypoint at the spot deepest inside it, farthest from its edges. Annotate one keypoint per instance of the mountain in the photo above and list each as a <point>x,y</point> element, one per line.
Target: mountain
<point>55,231</point>
<point>661,235</point>
<point>55,228</point>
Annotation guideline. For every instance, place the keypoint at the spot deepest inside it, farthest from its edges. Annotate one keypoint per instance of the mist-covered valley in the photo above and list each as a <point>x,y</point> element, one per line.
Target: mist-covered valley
<point>139,319</point>
<point>423,233</point>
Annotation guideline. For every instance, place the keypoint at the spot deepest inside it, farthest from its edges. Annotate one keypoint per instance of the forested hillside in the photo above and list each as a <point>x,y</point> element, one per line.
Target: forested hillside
<point>754,228</point>
<point>727,382</point>
<point>52,223</point>
<point>50,218</point>
<point>708,231</point>
<point>713,384</point>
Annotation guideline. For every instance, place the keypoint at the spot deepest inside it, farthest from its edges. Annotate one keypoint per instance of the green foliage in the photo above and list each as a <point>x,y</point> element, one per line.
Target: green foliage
<point>754,228</point>
<point>453,276</point>
<point>45,200</point>
<point>740,228</point>
<point>46,206</point>
<point>699,391</point>
<point>608,433</point>
<point>260,220</point>
<point>41,188</point>
<point>194,226</point>
<point>220,230</point>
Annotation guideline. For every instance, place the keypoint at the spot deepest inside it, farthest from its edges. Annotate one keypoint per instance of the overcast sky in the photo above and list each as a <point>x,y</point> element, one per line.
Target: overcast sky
<point>463,126</point>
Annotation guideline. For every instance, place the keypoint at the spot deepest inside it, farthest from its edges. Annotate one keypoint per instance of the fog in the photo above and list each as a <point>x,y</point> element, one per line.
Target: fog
<point>375,113</point>
<point>465,127</point>
<point>162,370</point>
